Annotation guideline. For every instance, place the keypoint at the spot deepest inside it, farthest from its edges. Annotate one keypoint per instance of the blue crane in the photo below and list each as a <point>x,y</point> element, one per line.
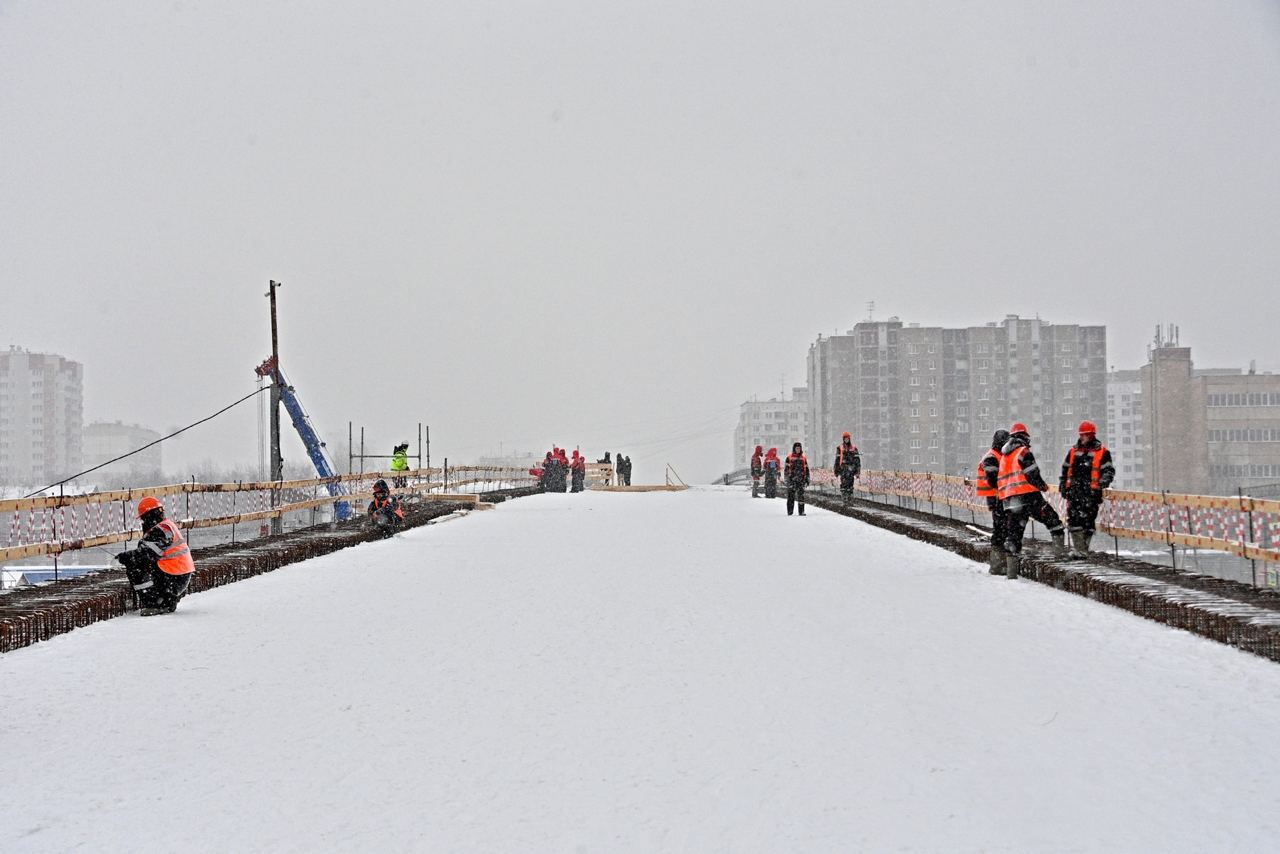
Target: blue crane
<point>311,439</point>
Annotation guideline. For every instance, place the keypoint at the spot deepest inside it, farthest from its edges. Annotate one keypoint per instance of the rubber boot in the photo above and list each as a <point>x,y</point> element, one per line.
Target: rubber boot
<point>1012,565</point>
<point>1059,545</point>
<point>1080,542</point>
<point>996,561</point>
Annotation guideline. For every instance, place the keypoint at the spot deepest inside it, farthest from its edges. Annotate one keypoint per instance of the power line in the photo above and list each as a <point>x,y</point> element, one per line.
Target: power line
<point>149,444</point>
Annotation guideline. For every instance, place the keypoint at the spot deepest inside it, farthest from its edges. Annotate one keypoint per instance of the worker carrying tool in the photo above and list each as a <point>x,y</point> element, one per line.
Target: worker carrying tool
<point>160,567</point>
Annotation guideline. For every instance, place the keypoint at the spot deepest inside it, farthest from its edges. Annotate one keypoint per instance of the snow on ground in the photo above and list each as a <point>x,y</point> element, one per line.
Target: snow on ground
<point>645,672</point>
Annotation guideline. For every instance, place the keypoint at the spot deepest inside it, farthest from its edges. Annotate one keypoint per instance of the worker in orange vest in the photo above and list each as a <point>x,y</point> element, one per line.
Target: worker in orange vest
<point>1086,472</point>
<point>384,511</point>
<point>160,567</point>
<point>985,486</point>
<point>847,466</point>
<point>1019,485</point>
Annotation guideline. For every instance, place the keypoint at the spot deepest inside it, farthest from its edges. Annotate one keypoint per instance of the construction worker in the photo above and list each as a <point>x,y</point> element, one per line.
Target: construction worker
<point>848,466</point>
<point>385,512</point>
<point>160,567</point>
<point>400,462</point>
<point>985,487</point>
<point>772,471</point>
<point>1018,486</point>
<point>796,474</point>
<point>1086,472</point>
<point>577,472</point>
<point>757,470</point>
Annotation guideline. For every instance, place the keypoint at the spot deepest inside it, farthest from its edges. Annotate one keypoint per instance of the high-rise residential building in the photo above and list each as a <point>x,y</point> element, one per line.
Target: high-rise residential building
<point>929,398</point>
<point>1125,435</point>
<point>41,402</point>
<point>1207,430</point>
<point>104,441</point>
<point>774,423</point>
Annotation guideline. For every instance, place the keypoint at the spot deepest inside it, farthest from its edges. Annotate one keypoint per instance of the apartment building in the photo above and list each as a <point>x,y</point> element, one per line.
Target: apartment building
<point>774,423</point>
<point>41,417</point>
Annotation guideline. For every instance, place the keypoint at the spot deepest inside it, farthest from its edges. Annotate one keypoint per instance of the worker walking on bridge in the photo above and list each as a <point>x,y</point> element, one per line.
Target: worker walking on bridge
<point>772,471</point>
<point>847,467</point>
<point>797,477</point>
<point>985,485</point>
<point>1086,472</point>
<point>757,470</point>
<point>160,567</point>
<point>1019,485</point>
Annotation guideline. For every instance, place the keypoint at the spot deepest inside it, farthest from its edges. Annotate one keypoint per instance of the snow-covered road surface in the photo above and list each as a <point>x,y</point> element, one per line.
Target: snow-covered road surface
<point>642,672</point>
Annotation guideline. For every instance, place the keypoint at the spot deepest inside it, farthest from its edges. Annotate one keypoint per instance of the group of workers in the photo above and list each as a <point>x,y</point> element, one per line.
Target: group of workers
<point>1010,480</point>
<point>560,472</point>
<point>793,471</point>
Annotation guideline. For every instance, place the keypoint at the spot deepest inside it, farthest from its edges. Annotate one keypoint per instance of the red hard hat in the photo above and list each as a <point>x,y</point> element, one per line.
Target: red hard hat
<point>846,434</point>
<point>1019,427</point>
<point>1088,427</point>
<point>146,505</point>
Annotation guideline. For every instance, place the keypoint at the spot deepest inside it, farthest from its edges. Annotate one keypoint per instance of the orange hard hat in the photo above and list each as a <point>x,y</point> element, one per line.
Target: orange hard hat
<point>846,435</point>
<point>146,505</point>
<point>1088,427</point>
<point>1019,427</point>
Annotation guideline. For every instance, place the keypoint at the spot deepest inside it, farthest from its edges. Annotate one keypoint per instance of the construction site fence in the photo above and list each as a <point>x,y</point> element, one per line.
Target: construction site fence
<point>1246,527</point>
<point>53,525</point>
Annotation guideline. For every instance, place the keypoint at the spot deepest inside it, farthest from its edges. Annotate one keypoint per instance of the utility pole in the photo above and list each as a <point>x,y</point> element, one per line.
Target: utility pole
<point>277,463</point>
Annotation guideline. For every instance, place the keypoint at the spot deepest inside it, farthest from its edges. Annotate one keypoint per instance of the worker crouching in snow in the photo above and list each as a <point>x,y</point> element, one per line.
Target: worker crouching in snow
<point>160,567</point>
<point>384,510</point>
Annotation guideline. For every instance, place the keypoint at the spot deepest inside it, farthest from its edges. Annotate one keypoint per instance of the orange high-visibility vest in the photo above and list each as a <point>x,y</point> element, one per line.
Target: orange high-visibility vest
<point>175,560</point>
<point>1095,469</point>
<point>1012,481</point>
<point>982,488</point>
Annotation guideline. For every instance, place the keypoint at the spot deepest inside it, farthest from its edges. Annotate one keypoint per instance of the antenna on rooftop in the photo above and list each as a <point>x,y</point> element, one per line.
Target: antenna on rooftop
<point>871,310</point>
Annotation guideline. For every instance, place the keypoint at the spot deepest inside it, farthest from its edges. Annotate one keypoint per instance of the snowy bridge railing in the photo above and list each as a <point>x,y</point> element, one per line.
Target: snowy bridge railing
<point>52,525</point>
<point>1246,527</point>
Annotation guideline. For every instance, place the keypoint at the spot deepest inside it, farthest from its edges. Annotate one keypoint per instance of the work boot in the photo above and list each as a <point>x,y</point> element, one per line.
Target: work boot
<point>152,612</point>
<point>1012,565</point>
<point>1080,542</point>
<point>996,561</point>
<point>1059,545</point>
<point>1088,538</point>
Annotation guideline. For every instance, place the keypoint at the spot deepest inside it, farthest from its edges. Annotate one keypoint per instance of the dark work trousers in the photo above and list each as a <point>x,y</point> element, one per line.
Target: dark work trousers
<point>795,495</point>
<point>1082,511</point>
<point>770,485</point>
<point>999,523</point>
<point>846,483</point>
<point>1020,510</point>
<point>155,587</point>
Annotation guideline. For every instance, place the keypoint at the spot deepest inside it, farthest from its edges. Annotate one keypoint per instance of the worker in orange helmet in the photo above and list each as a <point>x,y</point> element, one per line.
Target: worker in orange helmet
<point>160,567</point>
<point>1019,485</point>
<point>1086,472</point>
<point>847,466</point>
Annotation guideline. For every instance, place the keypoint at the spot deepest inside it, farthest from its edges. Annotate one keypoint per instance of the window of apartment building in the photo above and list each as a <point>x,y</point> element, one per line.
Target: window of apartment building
<point>982,348</point>
<point>962,411</point>
<point>914,381</point>
<point>1066,378</point>
<point>933,412</point>
<point>983,379</point>
<point>933,397</point>
<point>1066,409</point>
<point>914,428</point>
<point>1128,440</point>
<point>915,443</point>
<point>1068,363</point>
<point>915,412</point>
<point>962,427</point>
<point>913,365</point>
<point>1066,348</point>
<point>915,459</point>
<point>933,348</point>
<point>933,382</point>
<point>915,397</point>
<point>962,395</point>
<point>1067,394</point>
<point>984,364</point>
<point>933,443</point>
<point>931,365</point>
<point>911,349</point>
<point>984,394</point>
<point>984,411</point>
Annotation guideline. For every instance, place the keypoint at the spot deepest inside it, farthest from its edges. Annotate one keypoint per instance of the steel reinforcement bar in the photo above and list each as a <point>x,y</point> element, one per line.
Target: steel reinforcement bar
<point>1225,611</point>
<point>34,614</point>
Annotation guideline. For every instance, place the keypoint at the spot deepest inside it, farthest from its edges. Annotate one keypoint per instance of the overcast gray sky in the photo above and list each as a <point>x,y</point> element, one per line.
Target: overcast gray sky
<point>608,223</point>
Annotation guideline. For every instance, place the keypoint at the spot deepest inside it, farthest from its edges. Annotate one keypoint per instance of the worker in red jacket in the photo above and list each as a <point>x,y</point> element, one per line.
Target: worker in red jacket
<point>772,471</point>
<point>757,470</point>
<point>578,471</point>
<point>796,474</point>
<point>160,567</point>
<point>847,466</point>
